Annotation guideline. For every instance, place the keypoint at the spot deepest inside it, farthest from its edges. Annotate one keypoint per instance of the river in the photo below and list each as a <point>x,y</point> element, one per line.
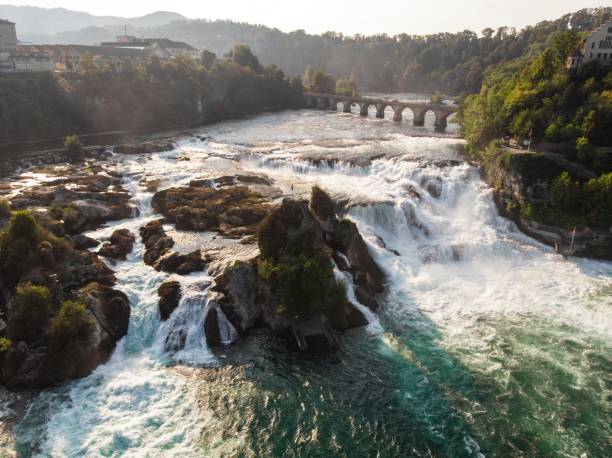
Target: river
<point>487,344</point>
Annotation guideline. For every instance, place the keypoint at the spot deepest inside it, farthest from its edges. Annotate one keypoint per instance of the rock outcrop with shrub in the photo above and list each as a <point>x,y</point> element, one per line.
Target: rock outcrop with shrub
<point>292,287</point>
<point>63,317</point>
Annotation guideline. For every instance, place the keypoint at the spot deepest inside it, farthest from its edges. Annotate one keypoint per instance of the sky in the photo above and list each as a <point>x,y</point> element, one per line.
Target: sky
<point>348,17</point>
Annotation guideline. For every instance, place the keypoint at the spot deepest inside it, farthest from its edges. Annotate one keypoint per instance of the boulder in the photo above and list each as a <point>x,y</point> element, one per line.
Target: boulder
<point>156,242</point>
<point>240,285</point>
<point>111,309</point>
<point>88,214</point>
<point>182,264</point>
<point>82,242</point>
<point>120,245</point>
<point>169,298</point>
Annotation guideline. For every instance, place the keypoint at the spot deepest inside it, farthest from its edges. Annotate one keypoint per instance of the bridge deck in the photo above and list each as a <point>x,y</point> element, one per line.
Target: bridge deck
<point>379,101</point>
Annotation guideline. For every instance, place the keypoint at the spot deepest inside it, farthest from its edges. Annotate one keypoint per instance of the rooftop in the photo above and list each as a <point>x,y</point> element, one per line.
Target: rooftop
<point>149,42</point>
<point>4,21</point>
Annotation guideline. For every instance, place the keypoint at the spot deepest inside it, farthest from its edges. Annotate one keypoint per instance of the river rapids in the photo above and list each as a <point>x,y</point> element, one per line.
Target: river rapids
<point>487,343</point>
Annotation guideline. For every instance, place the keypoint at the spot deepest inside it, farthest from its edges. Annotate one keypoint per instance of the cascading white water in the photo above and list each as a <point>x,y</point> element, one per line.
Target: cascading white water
<point>468,294</point>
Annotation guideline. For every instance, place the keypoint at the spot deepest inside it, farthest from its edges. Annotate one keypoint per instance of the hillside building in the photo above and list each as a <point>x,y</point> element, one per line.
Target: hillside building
<point>173,48</point>
<point>598,46</point>
<point>17,58</point>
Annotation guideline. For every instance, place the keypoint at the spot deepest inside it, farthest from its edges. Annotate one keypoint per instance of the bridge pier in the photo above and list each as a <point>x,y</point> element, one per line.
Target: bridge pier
<point>419,117</point>
<point>380,110</point>
<point>333,104</point>
<point>323,102</point>
<point>347,106</point>
<point>363,109</point>
<point>441,118</point>
<point>397,112</point>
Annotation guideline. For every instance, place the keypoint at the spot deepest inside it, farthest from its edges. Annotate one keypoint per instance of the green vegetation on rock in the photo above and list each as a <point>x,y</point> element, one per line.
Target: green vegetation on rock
<point>5,209</point>
<point>30,312</point>
<point>305,285</point>
<point>72,324</point>
<point>5,344</point>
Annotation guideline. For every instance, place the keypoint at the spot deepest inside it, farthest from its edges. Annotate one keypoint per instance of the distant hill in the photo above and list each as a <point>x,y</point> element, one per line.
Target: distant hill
<point>33,21</point>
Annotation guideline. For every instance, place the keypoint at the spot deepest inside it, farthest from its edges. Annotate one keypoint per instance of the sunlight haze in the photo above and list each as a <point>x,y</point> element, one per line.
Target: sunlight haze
<point>363,17</point>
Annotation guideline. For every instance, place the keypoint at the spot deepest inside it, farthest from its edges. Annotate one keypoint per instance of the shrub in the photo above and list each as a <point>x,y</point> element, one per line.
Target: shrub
<point>30,312</point>
<point>18,243</point>
<point>5,344</point>
<point>5,209</point>
<point>74,148</point>
<point>598,200</point>
<point>72,323</point>
<point>437,98</point>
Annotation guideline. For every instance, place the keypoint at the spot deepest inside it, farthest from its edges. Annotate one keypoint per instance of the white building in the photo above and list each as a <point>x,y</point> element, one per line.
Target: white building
<point>598,46</point>
<point>158,46</point>
<point>15,58</point>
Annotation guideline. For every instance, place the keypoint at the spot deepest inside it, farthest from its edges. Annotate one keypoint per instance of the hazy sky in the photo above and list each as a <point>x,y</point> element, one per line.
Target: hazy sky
<point>349,17</point>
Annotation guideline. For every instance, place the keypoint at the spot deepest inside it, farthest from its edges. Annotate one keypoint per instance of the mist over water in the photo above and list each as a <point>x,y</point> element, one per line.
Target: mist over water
<point>487,344</point>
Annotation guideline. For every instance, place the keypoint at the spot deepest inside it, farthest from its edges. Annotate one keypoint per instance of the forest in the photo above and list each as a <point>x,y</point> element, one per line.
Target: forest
<point>453,63</point>
<point>538,97</point>
<point>157,95</point>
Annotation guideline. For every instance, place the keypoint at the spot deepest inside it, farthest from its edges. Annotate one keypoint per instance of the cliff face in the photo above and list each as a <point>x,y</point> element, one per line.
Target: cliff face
<point>522,182</point>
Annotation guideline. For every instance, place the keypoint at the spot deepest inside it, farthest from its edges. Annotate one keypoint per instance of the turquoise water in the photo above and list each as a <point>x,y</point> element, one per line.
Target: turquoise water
<point>487,344</point>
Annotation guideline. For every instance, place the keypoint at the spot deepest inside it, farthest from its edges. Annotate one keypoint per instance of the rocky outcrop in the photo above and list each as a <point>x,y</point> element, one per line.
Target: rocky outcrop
<point>344,237</point>
<point>233,212</point>
<point>521,181</point>
<point>144,148</point>
<point>274,291</point>
<point>159,253</point>
<point>47,362</point>
<point>246,298</point>
<point>169,298</point>
<point>155,240</point>
<point>83,201</point>
<point>46,158</point>
<point>120,245</point>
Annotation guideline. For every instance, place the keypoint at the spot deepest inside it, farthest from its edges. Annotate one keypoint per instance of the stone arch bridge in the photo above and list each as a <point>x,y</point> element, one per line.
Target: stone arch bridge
<point>419,109</point>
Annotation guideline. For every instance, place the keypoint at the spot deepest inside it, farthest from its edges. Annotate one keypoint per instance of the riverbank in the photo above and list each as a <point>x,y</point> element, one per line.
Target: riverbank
<point>536,191</point>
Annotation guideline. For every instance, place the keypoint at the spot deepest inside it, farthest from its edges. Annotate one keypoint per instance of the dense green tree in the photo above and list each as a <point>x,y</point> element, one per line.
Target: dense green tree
<point>449,62</point>
<point>155,95</point>
<point>208,58</point>
<point>242,55</point>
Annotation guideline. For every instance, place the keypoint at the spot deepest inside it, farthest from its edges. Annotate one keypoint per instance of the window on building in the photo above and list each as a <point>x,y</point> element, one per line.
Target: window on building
<point>592,45</point>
